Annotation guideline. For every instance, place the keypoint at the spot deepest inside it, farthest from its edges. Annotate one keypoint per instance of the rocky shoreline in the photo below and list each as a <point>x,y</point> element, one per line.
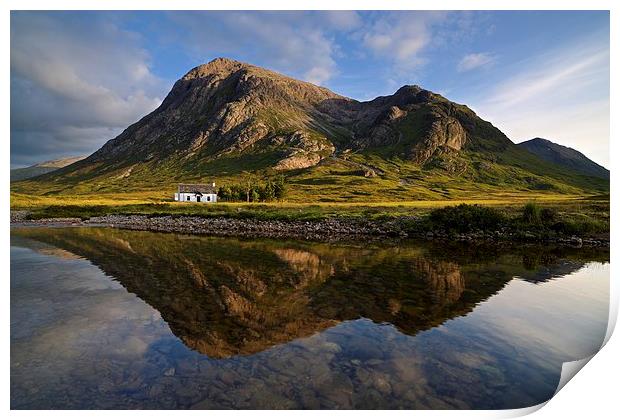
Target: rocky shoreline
<point>328,230</point>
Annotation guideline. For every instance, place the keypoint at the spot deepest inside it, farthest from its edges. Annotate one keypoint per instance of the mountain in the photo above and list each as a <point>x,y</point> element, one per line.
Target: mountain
<point>42,168</point>
<point>564,156</point>
<point>226,117</point>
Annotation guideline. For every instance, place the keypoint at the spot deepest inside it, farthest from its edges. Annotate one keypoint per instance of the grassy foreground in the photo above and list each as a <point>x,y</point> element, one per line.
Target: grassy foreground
<point>561,214</point>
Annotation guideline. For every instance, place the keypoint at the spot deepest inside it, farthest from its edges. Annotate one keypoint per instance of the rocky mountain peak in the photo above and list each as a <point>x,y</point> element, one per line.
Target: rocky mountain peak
<point>221,66</point>
<point>408,90</point>
<point>540,140</point>
<point>226,106</point>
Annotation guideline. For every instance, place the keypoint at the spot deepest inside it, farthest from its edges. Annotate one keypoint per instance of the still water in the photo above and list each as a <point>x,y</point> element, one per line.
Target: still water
<point>107,318</point>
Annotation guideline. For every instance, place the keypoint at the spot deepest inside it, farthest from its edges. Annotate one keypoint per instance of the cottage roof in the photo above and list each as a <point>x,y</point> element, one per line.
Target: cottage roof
<point>197,188</point>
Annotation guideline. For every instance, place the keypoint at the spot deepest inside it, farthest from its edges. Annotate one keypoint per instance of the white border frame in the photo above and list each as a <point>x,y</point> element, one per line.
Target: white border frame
<point>592,394</point>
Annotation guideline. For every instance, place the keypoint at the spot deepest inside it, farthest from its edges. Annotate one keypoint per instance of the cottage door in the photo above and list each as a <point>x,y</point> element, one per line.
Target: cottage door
<point>198,198</point>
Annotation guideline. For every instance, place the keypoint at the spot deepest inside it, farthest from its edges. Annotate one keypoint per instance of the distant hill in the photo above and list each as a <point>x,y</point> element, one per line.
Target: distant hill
<point>225,119</point>
<point>42,168</point>
<point>564,156</point>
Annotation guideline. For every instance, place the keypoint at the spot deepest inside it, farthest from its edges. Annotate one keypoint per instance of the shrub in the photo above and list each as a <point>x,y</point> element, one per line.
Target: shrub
<point>581,226</point>
<point>466,218</point>
<point>531,213</point>
<point>548,216</point>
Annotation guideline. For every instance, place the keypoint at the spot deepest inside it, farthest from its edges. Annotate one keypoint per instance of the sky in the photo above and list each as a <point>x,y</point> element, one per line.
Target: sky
<point>79,78</point>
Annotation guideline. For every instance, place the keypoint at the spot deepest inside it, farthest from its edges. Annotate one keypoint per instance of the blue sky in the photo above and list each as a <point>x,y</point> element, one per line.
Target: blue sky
<point>79,78</point>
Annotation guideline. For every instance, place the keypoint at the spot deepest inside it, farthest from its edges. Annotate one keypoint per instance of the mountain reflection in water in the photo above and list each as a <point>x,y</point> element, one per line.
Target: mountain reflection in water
<point>229,299</point>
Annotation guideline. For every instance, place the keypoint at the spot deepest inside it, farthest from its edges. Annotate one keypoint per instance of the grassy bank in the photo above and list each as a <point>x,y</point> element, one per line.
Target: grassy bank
<point>530,220</point>
<point>566,215</point>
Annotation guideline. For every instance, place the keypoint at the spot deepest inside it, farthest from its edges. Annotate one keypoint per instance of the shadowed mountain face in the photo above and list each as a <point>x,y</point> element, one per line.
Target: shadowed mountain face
<point>564,156</point>
<point>226,297</point>
<point>225,117</point>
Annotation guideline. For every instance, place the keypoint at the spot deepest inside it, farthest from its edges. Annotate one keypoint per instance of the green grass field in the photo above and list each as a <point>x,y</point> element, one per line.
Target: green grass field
<point>582,214</point>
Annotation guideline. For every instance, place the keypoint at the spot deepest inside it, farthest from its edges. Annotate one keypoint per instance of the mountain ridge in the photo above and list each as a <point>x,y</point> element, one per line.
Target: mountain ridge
<point>564,156</point>
<point>41,168</point>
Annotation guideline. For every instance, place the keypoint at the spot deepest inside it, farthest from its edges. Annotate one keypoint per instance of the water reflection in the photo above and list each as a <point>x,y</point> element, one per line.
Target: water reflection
<point>352,326</point>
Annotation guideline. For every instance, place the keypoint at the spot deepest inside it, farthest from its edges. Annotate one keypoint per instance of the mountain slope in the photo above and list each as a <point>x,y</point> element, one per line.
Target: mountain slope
<point>42,168</point>
<point>564,156</point>
<point>227,117</point>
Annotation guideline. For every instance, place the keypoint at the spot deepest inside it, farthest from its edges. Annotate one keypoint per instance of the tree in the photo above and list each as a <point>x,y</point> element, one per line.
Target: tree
<point>250,190</point>
<point>238,193</point>
<point>249,184</point>
<point>225,193</point>
<point>268,192</point>
<point>279,188</point>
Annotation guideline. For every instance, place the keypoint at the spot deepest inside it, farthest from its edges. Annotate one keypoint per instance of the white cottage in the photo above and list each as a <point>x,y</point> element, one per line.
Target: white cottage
<point>196,193</point>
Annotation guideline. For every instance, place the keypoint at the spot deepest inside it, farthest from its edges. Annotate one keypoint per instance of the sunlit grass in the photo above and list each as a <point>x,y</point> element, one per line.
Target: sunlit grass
<point>25,201</point>
<point>579,210</point>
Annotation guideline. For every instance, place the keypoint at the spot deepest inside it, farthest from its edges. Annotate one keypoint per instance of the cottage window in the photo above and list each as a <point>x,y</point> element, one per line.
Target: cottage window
<point>187,198</point>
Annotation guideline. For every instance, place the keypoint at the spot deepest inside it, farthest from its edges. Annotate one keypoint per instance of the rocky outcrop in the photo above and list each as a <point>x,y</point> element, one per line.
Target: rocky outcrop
<point>298,160</point>
<point>304,150</point>
<point>445,132</point>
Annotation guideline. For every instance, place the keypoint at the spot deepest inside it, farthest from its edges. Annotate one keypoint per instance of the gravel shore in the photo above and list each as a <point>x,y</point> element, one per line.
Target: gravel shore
<point>328,230</point>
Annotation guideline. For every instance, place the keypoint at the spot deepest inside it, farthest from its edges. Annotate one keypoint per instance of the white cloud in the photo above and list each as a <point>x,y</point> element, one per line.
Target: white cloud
<point>406,40</point>
<point>474,61</point>
<point>72,75</point>
<point>296,43</point>
<point>563,75</point>
<point>562,96</point>
<point>344,20</point>
<point>400,36</point>
<point>317,75</point>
